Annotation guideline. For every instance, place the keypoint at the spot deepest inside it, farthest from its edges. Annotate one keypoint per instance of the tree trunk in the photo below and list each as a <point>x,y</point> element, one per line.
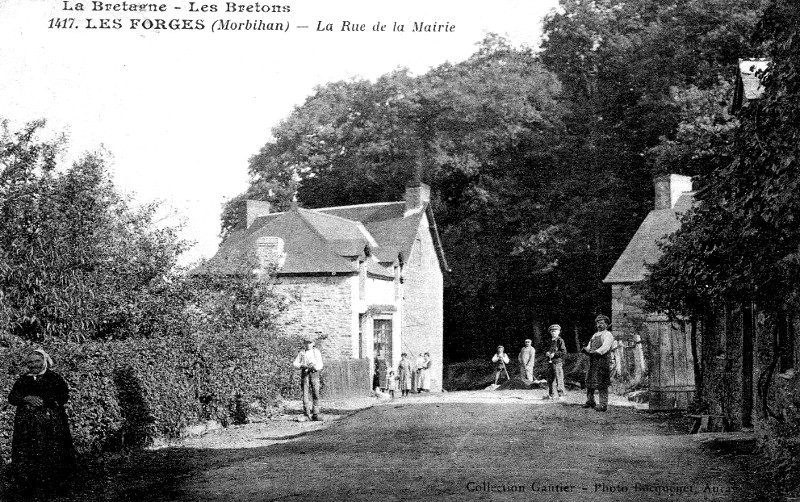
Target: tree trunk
<point>698,370</point>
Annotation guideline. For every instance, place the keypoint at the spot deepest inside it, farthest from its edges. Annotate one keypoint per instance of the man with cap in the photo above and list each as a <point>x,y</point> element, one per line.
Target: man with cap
<point>599,375</point>
<point>526,358</point>
<point>309,361</point>
<point>555,366</point>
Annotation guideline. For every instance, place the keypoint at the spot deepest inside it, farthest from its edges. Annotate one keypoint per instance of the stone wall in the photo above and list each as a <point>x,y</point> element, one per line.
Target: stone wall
<point>778,377</point>
<point>321,307</point>
<point>627,313</point>
<point>777,417</point>
<point>723,378</point>
<point>737,356</point>
<point>422,306</point>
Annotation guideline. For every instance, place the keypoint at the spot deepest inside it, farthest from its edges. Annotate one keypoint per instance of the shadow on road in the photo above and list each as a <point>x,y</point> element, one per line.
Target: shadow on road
<point>449,451</point>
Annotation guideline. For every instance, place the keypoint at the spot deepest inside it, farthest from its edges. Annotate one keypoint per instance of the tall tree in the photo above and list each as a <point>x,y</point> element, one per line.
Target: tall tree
<point>741,243</point>
<point>76,260</point>
<point>642,83</point>
<point>486,134</point>
<point>538,184</point>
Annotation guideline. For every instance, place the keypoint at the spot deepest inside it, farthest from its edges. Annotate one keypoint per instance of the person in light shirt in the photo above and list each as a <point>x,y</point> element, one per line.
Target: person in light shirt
<point>309,361</point>
<point>599,375</point>
<point>527,358</point>
<point>404,374</point>
<point>425,373</point>
<point>500,359</point>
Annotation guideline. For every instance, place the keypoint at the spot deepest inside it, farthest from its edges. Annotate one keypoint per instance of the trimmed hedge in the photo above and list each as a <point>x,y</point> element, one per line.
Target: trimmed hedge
<point>128,393</point>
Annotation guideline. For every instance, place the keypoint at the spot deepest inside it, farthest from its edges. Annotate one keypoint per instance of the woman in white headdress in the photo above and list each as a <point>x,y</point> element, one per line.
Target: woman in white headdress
<point>42,454</point>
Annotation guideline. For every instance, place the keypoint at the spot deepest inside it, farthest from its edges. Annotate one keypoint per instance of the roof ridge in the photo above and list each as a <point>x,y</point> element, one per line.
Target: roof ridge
<point>317,209</point>
<point>359,205</point>
<point>370,239</point>
<point>310,225</point>
<point>329,215</point>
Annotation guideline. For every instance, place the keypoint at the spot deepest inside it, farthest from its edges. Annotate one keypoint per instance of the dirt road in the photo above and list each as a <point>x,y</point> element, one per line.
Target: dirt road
<point>502,445</point>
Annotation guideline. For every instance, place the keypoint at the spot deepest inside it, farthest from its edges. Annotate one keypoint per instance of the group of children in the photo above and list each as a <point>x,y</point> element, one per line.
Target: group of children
<point>598,375</point>
<point>527,357</point>
<point>407,378</point>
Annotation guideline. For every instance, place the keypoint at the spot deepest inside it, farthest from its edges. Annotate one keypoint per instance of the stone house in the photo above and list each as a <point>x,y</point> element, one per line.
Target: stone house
<point>750,354</point>
<point>668,345</point>
<point>365,281</point>
<point>746,357</point>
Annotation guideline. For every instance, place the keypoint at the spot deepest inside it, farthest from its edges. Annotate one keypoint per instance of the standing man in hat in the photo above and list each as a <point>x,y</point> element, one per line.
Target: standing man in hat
<point>599,375</point>
<point>527,358</point>
<point>309,361</point>
<point>555,360</point>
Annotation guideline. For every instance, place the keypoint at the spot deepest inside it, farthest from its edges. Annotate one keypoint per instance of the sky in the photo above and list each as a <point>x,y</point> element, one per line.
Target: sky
<point>181,111</point>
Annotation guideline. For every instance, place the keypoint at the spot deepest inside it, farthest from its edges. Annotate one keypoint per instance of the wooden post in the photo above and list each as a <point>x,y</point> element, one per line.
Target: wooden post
<point>619,353</point>
<point>639,368</point>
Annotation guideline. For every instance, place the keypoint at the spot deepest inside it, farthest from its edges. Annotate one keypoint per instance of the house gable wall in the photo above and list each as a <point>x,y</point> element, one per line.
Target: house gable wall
<point>422,303</point>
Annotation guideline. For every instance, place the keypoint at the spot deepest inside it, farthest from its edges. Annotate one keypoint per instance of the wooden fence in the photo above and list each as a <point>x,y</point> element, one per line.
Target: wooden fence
<point>348,378</point>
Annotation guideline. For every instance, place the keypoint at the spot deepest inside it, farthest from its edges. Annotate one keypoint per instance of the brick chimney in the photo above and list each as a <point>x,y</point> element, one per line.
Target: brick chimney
<point>669,188</point>
<point>256,209</point>
<point>417,195</point>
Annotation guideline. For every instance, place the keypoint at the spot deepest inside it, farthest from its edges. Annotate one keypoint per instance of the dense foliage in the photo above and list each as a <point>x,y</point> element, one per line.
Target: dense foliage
<point>648,84</point>
<point>741,244</point>
<point>146,348</point>
<point>76,260</point>
<point>541,165</point>
<point>131,392</point>
<point>483,133</point>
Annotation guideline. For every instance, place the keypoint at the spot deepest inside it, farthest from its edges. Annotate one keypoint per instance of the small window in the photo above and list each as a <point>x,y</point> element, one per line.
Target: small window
<point>269,251</point>
<point>382,335</point>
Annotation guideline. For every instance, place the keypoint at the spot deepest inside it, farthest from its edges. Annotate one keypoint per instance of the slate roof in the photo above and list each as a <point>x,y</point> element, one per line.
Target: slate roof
<point>643,248</point>
<point>330,240</point>
<point>383,221</point>
<point>392,229</point>
<point>307,250</point>
<point>366,213</point>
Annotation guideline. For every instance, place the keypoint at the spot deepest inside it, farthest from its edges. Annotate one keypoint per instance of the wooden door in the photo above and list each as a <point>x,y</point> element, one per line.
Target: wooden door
<point>672,366</point>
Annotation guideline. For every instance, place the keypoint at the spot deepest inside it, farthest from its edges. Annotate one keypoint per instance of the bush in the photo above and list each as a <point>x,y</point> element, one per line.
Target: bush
<point>130,392</point>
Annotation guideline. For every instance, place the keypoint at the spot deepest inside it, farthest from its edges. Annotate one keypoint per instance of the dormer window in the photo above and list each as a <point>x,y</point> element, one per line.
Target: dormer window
<point>269,251</point>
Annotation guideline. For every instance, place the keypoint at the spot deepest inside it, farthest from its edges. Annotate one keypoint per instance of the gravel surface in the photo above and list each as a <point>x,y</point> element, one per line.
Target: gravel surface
<point>477,445</point>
